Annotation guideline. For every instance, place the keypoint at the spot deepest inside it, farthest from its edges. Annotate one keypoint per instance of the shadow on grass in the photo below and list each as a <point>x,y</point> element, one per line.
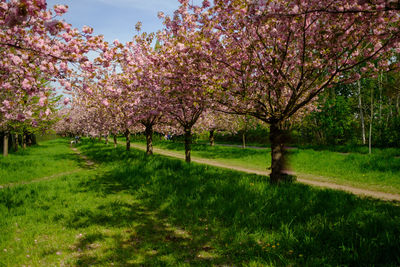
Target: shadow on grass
<point>202,215</point>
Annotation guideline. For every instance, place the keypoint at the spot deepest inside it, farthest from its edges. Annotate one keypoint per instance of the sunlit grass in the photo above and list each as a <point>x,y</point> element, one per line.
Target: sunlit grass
<point>47,158</point>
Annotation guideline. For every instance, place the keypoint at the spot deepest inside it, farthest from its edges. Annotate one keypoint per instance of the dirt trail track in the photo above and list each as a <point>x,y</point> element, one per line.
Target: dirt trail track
<point>302,178</point>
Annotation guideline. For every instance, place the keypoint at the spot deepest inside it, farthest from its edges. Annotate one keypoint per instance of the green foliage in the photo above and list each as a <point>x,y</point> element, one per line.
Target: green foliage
<point>337,121</point>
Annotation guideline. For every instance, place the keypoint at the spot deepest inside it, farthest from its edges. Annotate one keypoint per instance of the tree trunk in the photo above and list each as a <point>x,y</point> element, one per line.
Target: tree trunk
<point>370,124</point>
<point>188,143</point>
<point>361,113</point>
<point>212,138</point>
<point>128,140</point>
<point>243,140</point>
<point>28,139</point>
<point>33,139</point>
<point>16,142</point>
<point>106,138</point>
<point>24,141</point>
<point>5,144</point>
<point>149,139</point>
<point>277,138</point>
<point>380,85</point>
<point>115,141</point>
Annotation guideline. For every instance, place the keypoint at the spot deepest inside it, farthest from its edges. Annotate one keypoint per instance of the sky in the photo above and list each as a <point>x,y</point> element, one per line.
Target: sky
<point>116,19</point>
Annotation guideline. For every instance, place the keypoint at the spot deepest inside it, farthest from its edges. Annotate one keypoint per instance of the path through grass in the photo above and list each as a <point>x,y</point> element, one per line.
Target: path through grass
<point>379,172</point>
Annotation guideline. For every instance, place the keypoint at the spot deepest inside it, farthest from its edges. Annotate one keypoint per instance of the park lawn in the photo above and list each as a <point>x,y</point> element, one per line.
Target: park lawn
<point>46,159</point>
<point>156,211</point>
<point>379,171</point>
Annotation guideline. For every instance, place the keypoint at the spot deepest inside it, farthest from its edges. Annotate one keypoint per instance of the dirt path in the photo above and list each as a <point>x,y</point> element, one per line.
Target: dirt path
<point>88,162</point>
<point>302,178</point>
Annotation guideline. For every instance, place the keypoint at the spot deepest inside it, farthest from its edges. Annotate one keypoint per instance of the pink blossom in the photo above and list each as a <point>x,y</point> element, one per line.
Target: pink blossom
<point>105,102</point>
<point>60,9</point>
<point>52,26</point>
<point>87,29</point>
<point>42,101</point>
<point>26,84</point>
<point>180,46</point>
<point>6,104</point>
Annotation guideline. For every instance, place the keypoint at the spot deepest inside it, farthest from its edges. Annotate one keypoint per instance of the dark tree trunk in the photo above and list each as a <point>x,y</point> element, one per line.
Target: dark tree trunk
<point>28,139</point>
<point>278,162</point>
<point>361,113</point>
<point>106,138</point>
<point>128,140</point>
<point>188,143</point>
<point>149,139</point>
<point>212,138</point>
<point>5,144</point>
<point>33,139</point>
<point>370,124</point>
<point>24,140</point>
<point>15,142</point>
<point>115,141</point>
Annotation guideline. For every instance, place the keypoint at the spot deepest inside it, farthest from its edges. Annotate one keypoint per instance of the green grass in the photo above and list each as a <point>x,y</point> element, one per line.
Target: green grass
<point>156,211</point>
<point>379,171</point>
<point>47,158</point>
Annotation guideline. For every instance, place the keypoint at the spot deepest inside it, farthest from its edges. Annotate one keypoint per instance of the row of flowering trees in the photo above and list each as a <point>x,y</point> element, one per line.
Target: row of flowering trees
<point>266,59</point>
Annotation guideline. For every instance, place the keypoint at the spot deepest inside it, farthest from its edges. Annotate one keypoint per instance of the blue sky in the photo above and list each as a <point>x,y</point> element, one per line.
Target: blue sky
<point>116,19</point>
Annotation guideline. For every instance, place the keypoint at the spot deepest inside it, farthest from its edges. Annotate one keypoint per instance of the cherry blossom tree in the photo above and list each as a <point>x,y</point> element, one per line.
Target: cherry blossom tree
<point>35,47</point>
<point>275,57</point>
<point>184,66</point>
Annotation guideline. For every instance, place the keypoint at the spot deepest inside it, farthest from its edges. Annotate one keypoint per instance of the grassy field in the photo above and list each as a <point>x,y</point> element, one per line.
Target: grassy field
<point>155,211</point>
<point>379,171</point>
<point>47,158</point>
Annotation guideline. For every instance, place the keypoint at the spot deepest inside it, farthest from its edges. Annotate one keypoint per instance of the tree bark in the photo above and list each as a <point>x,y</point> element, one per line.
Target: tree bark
<point>278,161</point>
<point>370,124</point>
<point>149,139</point>
<point>361,113</point>
<point>380,85</point>
<point>5,144</point>
<point>188,143</point>
<point>128,140</point>
<point>212,138</point>
<point>106,139</point>
<point>115,141</point>
<point>24,141</point>
<point>244,133</point>
<point>33,139</point>
<point>16,142</point>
